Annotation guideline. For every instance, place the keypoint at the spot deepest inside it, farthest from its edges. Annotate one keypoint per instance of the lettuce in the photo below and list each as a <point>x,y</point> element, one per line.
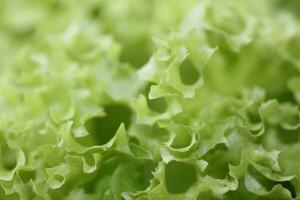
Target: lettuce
<point>147,100</point>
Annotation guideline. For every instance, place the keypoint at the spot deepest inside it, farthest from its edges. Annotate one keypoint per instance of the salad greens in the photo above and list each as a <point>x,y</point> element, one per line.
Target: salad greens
<point>149,100</point>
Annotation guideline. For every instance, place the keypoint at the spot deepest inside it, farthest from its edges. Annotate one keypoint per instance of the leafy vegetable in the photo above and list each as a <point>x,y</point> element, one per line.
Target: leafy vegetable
<point>149,100</point>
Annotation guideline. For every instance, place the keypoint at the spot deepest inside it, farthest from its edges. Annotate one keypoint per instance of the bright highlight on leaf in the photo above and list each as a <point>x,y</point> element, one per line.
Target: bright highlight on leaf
<point>150,100</point>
